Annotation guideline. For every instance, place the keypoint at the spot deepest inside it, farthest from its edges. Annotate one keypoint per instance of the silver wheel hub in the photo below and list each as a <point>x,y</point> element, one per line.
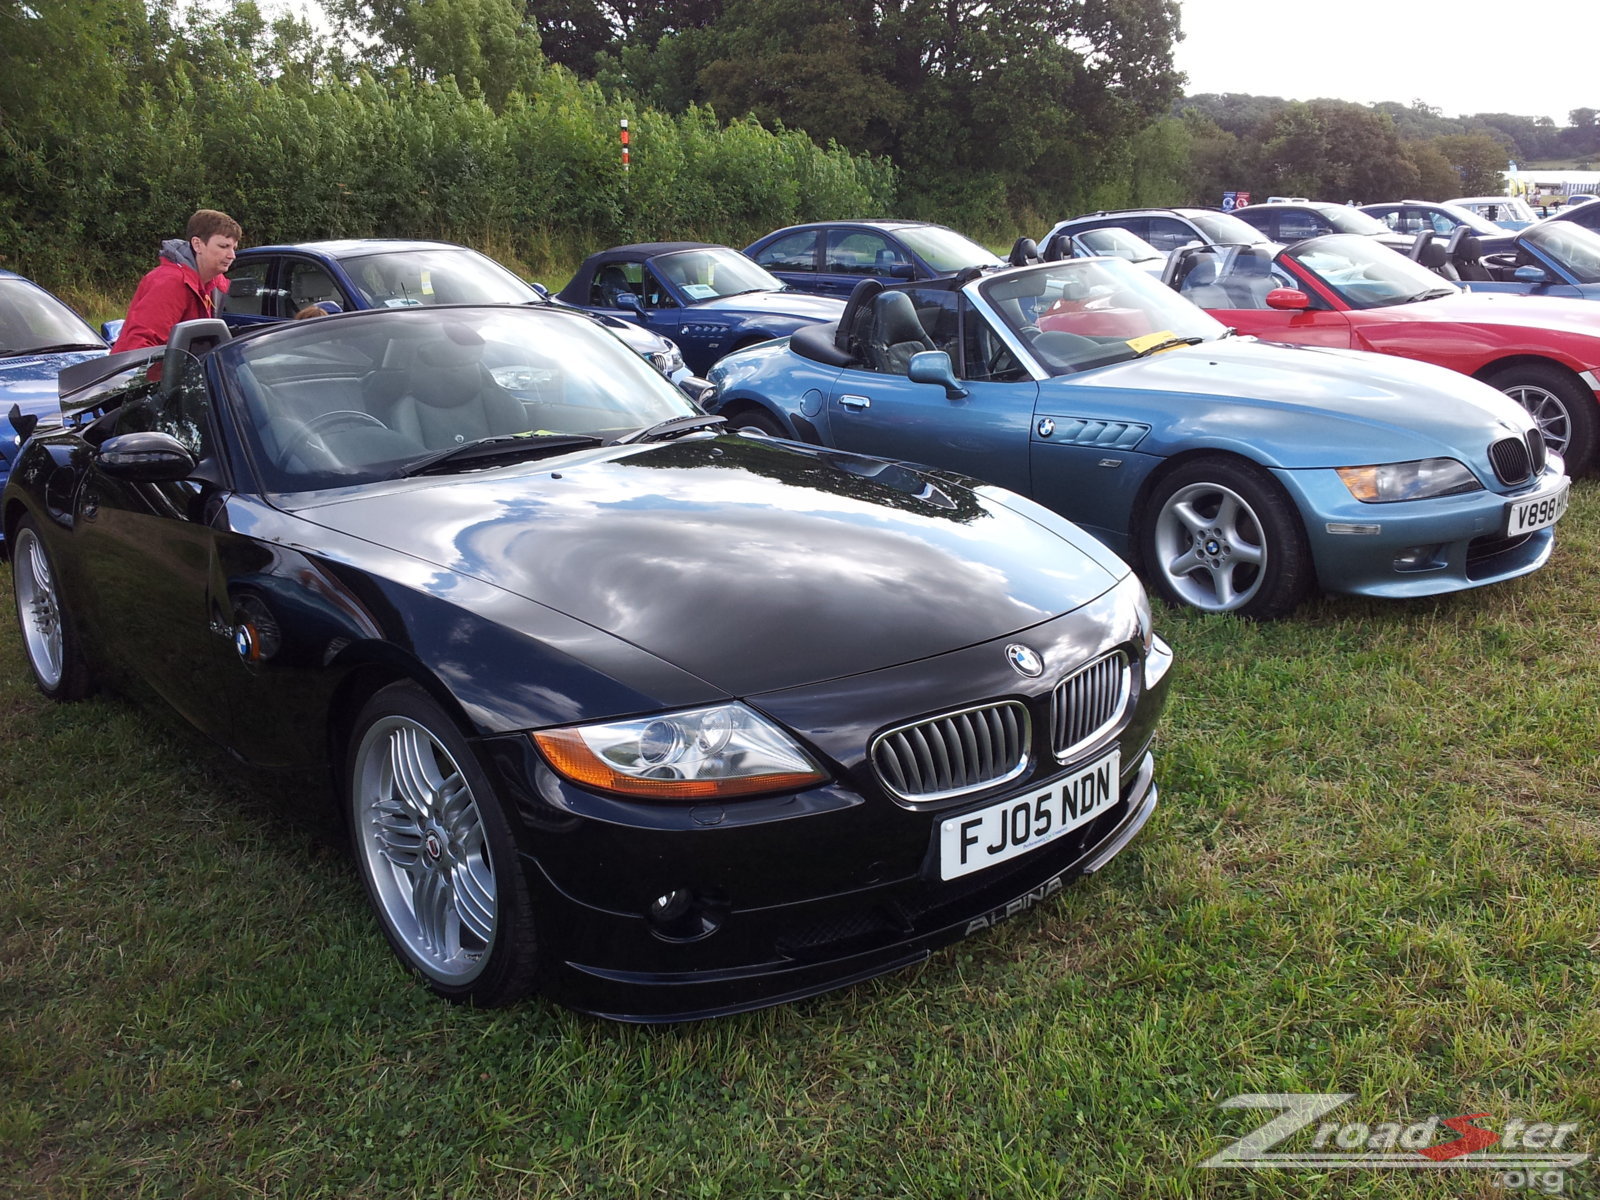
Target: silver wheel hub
<point>1209,547</point>
<point>422,843</point>
<point>39,609</point>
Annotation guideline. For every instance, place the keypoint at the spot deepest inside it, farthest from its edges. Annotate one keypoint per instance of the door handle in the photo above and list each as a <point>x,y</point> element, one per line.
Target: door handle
<point>857,402</point>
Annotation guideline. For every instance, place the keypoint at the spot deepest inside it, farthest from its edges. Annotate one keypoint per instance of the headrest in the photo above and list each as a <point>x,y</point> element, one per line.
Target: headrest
<point>1203,272</point>
<point>860,297</point>
<point>1433,255</point>
<point>1024,251</point>
<point>461,346</point>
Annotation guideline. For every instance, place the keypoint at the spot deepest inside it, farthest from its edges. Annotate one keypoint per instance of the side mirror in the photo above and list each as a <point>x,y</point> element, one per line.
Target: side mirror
<point>540,288</point>
<point>1289,299</point>
<point>1531,274</point>
<point>933,366</point>
<point>111,331</point>
<point>902,271</point>
<point>631,302</point>
<point>145,457</point>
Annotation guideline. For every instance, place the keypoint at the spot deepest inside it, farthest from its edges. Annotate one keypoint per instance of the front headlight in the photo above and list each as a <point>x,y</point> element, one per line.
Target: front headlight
<point>703,754</point>
<point>669,362</point>
<point>1419,480</point>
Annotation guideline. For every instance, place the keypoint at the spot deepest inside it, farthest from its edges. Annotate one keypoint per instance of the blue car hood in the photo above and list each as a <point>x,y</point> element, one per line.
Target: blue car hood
<point>1300,407</point>
<point>30,382</point>
<point>799,305</point>
<point>752,565</point>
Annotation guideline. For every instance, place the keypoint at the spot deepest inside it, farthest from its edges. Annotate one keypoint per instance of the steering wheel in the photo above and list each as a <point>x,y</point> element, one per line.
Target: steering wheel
<point>312,430</point>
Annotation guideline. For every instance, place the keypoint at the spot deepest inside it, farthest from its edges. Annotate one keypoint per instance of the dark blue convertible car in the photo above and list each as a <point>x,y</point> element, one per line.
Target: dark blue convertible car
<point>38,336</point>
<point>708,299</point>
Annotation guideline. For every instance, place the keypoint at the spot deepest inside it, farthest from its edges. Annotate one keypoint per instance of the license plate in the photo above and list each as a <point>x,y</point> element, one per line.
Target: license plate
<point>1013,827</point>
<point>1524,516</point>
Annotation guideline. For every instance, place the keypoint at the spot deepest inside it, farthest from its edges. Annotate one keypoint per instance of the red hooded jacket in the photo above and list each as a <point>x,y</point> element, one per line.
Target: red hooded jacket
<point>171,293</point>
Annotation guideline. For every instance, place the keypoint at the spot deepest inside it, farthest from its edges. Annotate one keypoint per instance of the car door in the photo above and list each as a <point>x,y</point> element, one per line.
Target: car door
<point>851,254</point>
<point>149,554</point>
<point>793,259</point>
<point>984,432</point>
<point>251,300</point>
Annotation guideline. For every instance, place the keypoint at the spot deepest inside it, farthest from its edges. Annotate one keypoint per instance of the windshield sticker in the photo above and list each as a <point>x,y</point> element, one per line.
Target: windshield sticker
<point>1150,341</point>
<point>427,282</point>
<point>401,302</point>
<point>699,291</point>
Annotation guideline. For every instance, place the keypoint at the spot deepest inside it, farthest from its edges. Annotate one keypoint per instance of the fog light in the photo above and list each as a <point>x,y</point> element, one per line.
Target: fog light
<point>671,906</point>
<point>681,916</point>
<point>1419,558</point>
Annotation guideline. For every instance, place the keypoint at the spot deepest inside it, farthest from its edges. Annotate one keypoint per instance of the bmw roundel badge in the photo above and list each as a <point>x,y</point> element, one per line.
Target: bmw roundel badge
<point>1027,662</point>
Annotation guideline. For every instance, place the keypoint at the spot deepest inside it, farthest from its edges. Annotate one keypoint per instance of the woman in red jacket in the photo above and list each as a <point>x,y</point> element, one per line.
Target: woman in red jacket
<point>181,286</point>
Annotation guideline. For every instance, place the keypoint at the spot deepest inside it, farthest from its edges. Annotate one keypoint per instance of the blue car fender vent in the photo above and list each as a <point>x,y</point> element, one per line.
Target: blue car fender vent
<point>1113,435</point>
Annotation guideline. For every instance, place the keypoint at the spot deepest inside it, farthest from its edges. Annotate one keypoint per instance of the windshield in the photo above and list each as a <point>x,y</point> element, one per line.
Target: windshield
<point>369,396</point>
<point>1224,227</point>
<point>32,320</point>
<point>1497,208</point>
<point>1118,243</point>
<point>1367,274</point>
<point>712,272</point>
<point>945,250</point>
<point>1570,246</point>
<point>409,278</point>
<point>1082,313</point>
<point>1352,220</point>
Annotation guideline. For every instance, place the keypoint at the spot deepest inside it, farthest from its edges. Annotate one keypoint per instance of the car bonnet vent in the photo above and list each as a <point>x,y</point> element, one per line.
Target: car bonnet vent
<point>953,754</point>
<point>1085,706</point>
<point>1511,460</point>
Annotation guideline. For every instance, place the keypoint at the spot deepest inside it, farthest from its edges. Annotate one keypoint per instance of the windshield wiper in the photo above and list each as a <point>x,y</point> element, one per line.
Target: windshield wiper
<point>670,428</point>
<point>58,348</point>
<point>1168,345</point>
<point>506,445</point>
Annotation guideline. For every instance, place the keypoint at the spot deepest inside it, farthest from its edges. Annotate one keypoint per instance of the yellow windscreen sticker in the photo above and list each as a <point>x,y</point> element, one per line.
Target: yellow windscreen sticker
<point>1140,344</point>
<point>427,283</point>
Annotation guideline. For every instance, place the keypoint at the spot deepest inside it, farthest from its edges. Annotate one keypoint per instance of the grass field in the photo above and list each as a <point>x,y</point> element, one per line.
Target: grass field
<point>1373,871</point>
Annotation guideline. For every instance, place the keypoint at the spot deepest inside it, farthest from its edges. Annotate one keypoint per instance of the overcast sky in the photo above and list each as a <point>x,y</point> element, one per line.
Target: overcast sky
<point>1461,57</point>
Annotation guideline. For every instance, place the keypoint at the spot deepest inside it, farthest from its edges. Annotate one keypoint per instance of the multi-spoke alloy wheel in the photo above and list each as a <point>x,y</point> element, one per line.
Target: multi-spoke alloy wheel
<point>430,841</point>
<point>1563,408</point>
<point>47,636</point>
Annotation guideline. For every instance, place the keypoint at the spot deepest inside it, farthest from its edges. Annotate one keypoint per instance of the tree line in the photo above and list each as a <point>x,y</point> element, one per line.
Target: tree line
<point>496,122</point>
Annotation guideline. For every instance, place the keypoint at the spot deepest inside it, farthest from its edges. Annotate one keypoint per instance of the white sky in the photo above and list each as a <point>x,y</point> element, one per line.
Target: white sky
<point>1461,57</point>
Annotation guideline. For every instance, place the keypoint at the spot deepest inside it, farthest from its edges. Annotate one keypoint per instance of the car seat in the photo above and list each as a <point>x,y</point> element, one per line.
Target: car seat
<point>1200,286</point>
<point>610,285</point>
<point>451,398</point>
<point>896,334</point>
<point>1248,283</point>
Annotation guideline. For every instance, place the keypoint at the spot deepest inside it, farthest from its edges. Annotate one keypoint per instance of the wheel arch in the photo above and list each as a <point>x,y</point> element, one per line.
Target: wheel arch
<point>1157,477</point>
<point>375,667</point>
<point>1511,361</point>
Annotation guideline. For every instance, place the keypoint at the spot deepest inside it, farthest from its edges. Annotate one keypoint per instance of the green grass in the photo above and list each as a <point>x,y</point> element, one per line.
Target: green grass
<point>1373,870</point>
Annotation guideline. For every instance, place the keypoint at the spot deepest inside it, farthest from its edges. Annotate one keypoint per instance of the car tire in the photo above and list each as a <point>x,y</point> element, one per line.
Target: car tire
<point>49,635</point>
<point>1563,407</point>
<point>436,853</point>
<point>755,420</point>
<point>1220,535</point>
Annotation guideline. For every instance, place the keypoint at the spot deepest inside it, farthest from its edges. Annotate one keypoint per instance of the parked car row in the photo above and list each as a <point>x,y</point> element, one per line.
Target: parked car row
<point>675,701</point>
<point>658,720</point>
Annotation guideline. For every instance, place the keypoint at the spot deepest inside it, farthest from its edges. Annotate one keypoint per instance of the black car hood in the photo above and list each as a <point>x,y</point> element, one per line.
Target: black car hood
<point>754,565</point>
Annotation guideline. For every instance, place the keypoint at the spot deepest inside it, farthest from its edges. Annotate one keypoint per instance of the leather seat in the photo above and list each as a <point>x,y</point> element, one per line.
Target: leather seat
<point>451,398</point>
<point>610,285</point>
<point>896,335</point>
<point>1200,286</point>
